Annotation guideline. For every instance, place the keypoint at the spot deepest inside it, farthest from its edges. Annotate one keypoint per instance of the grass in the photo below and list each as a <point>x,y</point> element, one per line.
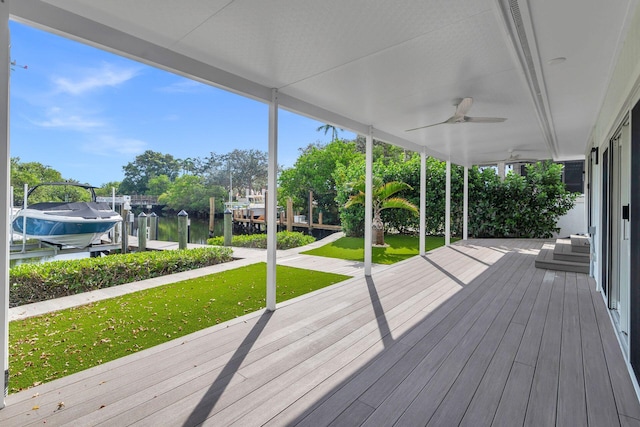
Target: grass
<point>400,247</point>
<point>60,343</point>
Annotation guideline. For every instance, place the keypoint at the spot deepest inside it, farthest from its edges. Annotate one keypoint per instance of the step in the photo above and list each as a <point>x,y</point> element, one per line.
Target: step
<point>545,260</point>
<point>580,243</point>
<point>563,251</point>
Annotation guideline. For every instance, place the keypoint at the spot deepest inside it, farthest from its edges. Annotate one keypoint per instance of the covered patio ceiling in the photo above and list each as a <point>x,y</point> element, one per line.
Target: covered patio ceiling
<point>392,65</point>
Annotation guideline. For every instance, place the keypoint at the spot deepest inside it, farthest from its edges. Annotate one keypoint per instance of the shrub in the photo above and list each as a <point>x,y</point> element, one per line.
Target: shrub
<point>41,282</point>
<point>285,240</point>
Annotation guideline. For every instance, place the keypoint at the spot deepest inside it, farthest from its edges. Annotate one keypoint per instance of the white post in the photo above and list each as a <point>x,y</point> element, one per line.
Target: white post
<point>272,195</point>
<point>5,182</point>
<point>113,198</point>
<point>465,205</point>
<point>11,214</point>
<point>368,202</point>
<point>502,170</point>
<point>423,201</point>
<point>24,217</point>
<point>447,207</point>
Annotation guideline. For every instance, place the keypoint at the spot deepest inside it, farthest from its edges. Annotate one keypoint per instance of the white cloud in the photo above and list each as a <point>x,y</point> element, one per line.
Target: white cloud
<point>183,86</point>
<point>89,79</point>
<point>106,145</point>
<point>58,118</point>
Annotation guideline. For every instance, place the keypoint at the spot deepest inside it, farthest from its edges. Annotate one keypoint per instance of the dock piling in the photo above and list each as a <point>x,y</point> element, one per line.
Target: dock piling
<point>142,232</point>
<point>153,226</point>
<point>183,221</point>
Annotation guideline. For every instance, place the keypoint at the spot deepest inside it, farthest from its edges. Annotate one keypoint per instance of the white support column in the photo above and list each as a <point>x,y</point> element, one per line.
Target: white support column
<point>5,167</point>
<point>502,167</point>
<point>447,207</point>
<point>272,196</point>
<point>423,200</point>
<point>465,205</point>
<point>368,202</point>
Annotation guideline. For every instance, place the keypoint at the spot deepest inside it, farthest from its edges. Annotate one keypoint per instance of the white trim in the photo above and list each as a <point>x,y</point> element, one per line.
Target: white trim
<point>465,205</point>
<point>423,201</point>
<point>447,207</point>
<point>5,183</point>
<point>272,196</point>
<point>368,202</point>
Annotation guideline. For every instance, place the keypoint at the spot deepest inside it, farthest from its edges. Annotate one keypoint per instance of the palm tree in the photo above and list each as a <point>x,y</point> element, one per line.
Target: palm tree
<point>382,200</point>
<point>334,131</point>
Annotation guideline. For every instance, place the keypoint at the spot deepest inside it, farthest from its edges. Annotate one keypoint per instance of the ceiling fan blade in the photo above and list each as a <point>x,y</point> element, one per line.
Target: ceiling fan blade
<point>484,119</point>
<point>463,107</point>
<point>427,126</point>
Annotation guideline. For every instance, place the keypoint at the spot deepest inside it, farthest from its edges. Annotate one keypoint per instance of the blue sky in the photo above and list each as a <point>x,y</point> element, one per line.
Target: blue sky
<point>87,113</point>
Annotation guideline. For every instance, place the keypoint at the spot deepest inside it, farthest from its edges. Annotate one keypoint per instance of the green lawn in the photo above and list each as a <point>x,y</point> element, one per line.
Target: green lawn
<point>400,247</point>
<point>60,343</point>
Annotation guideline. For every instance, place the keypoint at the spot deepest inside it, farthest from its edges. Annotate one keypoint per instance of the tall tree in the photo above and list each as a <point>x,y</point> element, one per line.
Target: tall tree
<point>327,127</point>
<point>146,166</point>
<point>106,188</point>
<point>247,168</point>
<point>32,174</point>
<point>314,171</point>
<point>189,192</point>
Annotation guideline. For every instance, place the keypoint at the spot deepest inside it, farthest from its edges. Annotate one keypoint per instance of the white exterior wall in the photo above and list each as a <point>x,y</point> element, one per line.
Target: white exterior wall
<point>573,222</point>
<point>622,94</point>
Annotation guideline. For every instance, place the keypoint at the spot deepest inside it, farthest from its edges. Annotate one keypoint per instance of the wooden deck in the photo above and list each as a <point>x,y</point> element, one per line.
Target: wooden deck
<point>469,335</point>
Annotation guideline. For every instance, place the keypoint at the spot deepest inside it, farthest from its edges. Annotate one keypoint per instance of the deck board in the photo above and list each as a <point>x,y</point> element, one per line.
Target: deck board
<point>469,335</point>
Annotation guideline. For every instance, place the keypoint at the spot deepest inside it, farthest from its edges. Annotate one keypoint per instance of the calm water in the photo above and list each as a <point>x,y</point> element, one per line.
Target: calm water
<point>199,230</point>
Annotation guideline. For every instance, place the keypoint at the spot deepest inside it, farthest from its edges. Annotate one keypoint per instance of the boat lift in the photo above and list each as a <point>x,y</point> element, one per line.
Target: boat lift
<point>40,249</point>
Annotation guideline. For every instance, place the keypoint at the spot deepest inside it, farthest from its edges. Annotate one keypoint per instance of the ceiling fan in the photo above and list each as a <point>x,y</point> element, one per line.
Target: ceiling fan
<point>461,117</point>
<point>515,158</point>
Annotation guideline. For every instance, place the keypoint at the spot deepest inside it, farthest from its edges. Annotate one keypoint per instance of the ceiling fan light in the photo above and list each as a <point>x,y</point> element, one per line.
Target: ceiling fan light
<point>556,61</point>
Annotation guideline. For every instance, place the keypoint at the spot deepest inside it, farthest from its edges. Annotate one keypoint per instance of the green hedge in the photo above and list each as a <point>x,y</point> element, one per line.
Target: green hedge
<point>41,282</point>
<point>286,240</point>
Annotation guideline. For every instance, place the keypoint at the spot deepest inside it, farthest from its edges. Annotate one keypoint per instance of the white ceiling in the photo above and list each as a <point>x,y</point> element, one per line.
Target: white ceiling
<point>394,64</point>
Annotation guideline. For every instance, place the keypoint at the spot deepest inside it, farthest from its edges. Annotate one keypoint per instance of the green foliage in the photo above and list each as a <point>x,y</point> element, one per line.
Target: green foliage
<point>314,171</point>
<point>53,345</point>
<point>159,185</point>
<point>351,217</point>
<point>248,168</point>
<point>41,282</point>
<point>516,207</point>
<point>146,166</point>
<point>105,190</point>
<point>189,192</point>
<point>285,240</point>
<point>521,206</point>
<point>33,173</point>
<point>382,192</point>
<point>327,127</point>
<point>399,247</point>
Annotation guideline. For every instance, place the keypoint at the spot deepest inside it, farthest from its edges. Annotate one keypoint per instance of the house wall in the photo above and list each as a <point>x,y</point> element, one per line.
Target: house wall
<point>622,95</point>
<point>573,222</point>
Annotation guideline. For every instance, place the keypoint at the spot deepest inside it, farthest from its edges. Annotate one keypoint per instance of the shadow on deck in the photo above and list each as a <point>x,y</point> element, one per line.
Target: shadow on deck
<point>472,335</point>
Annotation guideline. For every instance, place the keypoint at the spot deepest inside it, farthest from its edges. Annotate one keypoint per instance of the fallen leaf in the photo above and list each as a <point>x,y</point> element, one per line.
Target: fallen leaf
<point>35,395</point>
<point>35,407</point>
<point>60,405</point>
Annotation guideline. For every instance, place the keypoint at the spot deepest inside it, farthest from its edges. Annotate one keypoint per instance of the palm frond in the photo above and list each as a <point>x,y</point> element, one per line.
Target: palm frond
<point>390,188</point>
<point>399,203</point>
<point>356,199</point>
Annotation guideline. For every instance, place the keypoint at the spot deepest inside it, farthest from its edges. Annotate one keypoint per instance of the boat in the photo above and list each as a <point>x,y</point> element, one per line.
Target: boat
<point>69,223</point>
<point>252,206</point>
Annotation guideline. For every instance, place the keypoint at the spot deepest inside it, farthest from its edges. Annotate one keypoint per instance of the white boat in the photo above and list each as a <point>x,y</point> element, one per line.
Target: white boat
<point>76,224</point>
<point>252,205</point>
